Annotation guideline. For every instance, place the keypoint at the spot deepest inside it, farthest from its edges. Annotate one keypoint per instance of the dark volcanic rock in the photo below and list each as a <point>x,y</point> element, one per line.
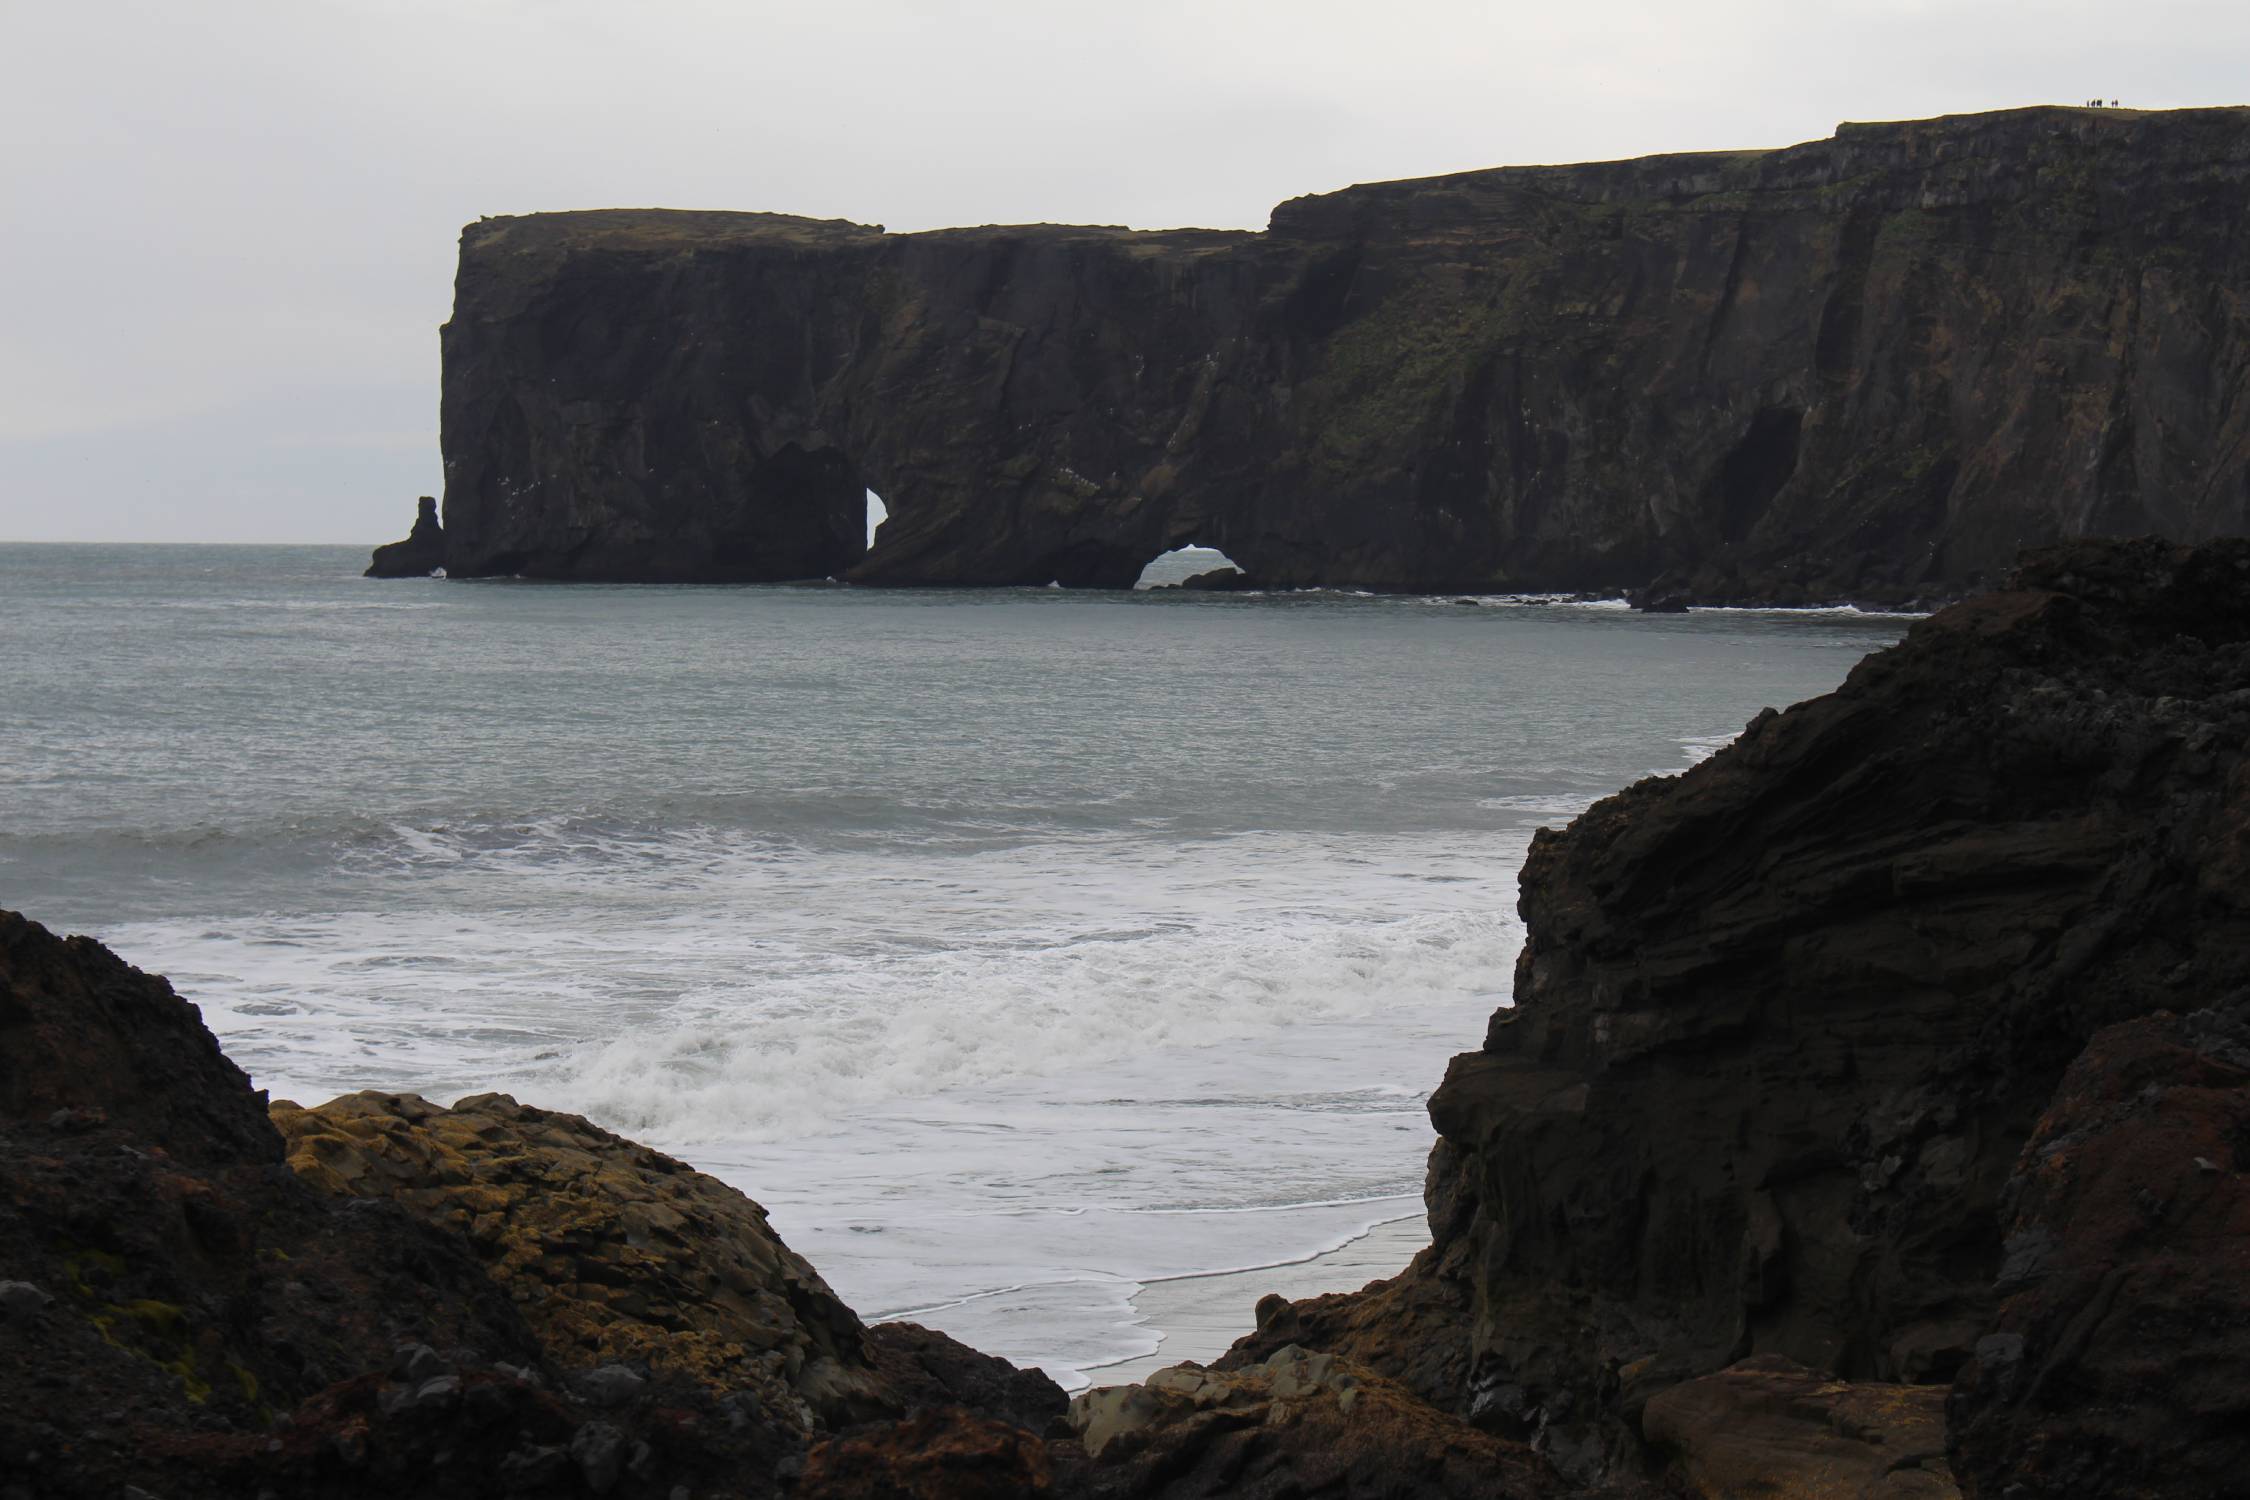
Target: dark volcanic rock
<point>420,555</point>
<point>1660,599</point>
<point>1866,368</point>
<point>948,1453</point>
<point>1297,1425</point>
<point>1782,1023</point>
<point>1219,581</point>
<point>89,1044</point>
<point>1412,1328</point>
<point>2120,1362</point>
<point>1771,1427</point>
<point>920,1367</point>
<point>182,1315</point>
<point>198,1295</point>
<point>666,1268</point>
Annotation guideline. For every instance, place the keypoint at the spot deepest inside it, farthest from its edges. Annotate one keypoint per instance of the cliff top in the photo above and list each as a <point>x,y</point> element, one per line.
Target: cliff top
<point>1971,149</point>
<point>661,229</point>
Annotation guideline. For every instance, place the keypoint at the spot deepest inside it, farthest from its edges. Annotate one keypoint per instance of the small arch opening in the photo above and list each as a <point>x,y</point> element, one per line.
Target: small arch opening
<point>877,514</point>
<point>1193,567</point>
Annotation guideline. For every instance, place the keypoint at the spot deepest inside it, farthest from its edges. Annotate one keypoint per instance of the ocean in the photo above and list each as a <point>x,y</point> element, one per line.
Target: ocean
<point>1014,948</point>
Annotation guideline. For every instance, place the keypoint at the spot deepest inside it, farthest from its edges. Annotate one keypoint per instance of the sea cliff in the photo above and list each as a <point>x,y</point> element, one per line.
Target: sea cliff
<point>1872,367</point>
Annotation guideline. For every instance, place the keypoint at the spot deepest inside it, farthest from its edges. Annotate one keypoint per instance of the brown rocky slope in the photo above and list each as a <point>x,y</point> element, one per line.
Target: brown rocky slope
<point>1874,366</point>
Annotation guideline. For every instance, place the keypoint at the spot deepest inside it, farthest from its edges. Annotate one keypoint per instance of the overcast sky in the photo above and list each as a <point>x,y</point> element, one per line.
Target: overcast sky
<point>229,227</point>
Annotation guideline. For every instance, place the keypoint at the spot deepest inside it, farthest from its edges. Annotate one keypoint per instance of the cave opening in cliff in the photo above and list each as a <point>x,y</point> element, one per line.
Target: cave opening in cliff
<point>877,514</point>
<point>1191,566</point>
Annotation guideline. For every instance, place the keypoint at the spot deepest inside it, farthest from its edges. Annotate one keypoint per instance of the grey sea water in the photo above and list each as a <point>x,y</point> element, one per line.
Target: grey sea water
<point>1014,948</point>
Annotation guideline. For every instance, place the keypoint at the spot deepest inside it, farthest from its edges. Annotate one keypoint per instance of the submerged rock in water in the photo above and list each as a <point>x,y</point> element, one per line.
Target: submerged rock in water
<point>1219,581</point>
<point>420,555</point>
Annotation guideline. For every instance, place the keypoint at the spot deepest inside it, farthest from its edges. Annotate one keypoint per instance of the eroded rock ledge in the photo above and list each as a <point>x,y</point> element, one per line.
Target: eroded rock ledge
<point>1871,367</point>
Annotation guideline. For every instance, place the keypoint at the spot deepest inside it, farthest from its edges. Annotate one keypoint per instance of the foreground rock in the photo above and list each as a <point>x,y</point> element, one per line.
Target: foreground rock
<point>1297,1424</point>
<point>2119,1363</point>
<point>197,1322</point>
<point>945,1453</point>
<point>490,1300</point>
<point>1783,1024</point>
<point>420,555</point>
<point>1413,1327</point>
<point>1771,1427</point>
<point>1865,368</point>
<point>616,1254</point>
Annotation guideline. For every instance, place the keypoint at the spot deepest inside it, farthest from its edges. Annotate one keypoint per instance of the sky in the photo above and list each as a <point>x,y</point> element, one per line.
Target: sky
<point>227,229</point>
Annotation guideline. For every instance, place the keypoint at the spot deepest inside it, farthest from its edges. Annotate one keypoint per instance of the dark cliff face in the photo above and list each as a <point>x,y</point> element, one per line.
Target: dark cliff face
<point>1873,366</point>
<point>1783,1024</point>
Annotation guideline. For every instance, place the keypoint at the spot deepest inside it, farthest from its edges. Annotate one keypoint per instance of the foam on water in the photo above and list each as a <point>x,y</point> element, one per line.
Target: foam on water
<point>996,1088</point>
<point>1016,949</point>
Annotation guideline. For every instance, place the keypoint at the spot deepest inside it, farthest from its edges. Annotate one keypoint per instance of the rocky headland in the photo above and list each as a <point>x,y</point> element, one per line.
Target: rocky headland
<point>1868,368</point>
<point>1872,1118</point>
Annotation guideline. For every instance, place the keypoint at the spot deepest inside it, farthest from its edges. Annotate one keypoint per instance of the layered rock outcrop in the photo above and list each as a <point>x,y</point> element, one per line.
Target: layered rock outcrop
<point>1783,1024</point>
<point>1873,367</point>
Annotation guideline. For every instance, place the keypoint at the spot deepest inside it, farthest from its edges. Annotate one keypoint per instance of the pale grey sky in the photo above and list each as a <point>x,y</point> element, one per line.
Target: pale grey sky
<point>229,226</point>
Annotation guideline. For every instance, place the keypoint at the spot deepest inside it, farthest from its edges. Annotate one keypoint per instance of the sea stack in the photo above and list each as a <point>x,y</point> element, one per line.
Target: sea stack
<point>421,554</point>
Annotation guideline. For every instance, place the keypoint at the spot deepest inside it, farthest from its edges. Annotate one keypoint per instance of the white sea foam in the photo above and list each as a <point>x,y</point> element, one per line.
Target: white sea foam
<point>990,1081</point>
<point>1810,611</point>
<point>1527,601</point>
<point>1016,949</point>
<point>1554,806</point>
<point>1110,1043</point>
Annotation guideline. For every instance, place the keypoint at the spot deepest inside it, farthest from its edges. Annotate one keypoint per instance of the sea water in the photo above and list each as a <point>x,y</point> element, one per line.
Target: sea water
<point>1014,948</point>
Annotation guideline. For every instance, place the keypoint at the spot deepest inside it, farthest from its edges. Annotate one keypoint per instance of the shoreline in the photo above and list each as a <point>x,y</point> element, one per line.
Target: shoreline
<point>1197,1317</point>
